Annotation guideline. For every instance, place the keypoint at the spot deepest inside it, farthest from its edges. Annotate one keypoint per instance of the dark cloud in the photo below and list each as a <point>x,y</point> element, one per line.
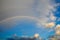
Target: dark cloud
<point>11,8</point>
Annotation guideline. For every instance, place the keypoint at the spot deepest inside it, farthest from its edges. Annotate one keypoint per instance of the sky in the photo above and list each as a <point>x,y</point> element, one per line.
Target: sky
<point>27,17</point>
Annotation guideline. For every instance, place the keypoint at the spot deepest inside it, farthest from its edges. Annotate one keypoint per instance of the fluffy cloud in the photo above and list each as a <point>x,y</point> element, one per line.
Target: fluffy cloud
<point>57,27</point>
<point>49,25</point>
<point>36,35</point>
<point>58,32</point>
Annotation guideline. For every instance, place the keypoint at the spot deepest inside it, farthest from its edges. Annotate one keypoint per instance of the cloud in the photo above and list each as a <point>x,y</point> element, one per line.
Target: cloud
<point>33,10</point>
<point>36,35</point>
<point>58,32</point>
<point>52,17</point>
<point>49,25</point>
<point>11,8</point>
<point>15,8</point>
<point>57,27</point>
<point>46,14</point>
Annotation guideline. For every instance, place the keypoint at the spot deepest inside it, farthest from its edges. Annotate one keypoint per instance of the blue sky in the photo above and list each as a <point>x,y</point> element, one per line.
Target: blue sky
<point>27,17</point>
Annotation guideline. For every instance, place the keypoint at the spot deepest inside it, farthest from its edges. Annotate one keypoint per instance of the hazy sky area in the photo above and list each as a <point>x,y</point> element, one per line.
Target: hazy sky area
<point>11,8</point>
<point>26,17</point>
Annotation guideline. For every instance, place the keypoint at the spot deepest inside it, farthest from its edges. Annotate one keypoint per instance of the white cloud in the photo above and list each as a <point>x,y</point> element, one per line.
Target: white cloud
<point>52,17</point>
<point>45,10</point>
<point>58,32</point>
<point>36,35</point>
<point>57,27</point>
<point>50,25</point>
